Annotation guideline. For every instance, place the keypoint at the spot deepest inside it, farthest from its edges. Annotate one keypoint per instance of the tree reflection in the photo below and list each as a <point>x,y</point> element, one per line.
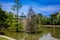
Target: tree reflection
<point>55,33</point>
<point>32,36</point>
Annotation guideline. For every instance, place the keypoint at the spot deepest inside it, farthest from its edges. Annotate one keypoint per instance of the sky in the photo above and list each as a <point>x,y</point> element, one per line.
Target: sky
<point>46,7</point>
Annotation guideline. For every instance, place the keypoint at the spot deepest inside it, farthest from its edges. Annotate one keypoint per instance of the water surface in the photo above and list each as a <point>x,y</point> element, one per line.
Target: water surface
<point>46,34</point>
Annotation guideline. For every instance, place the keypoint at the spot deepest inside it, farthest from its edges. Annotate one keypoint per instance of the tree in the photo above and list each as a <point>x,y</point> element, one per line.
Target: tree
<point>55,18</point>
<point>39,16</point>
<point>32,25</point>
<point>11,20</point>
<point>3,18</point>
<point>16,8</point>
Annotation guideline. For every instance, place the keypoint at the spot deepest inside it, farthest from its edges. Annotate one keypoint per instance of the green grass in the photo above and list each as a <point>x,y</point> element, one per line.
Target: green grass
<point>3,38</point>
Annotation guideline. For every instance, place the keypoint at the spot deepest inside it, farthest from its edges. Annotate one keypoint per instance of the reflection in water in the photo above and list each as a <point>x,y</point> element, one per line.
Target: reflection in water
<point>55,33</point>
<point>47,37</point>
<point>46,34</point>
<point>32,36</point>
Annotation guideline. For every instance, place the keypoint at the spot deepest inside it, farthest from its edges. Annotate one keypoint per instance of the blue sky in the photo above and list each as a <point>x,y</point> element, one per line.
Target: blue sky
<point>46,7</point>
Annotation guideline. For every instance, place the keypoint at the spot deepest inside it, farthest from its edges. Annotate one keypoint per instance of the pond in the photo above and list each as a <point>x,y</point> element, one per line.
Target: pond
<point>45,34</point>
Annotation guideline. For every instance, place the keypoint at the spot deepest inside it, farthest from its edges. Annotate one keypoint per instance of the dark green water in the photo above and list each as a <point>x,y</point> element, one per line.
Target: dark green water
<point>46,34</point>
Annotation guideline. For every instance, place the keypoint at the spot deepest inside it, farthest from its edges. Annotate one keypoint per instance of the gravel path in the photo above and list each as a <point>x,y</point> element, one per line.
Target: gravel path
<point>7,37</point>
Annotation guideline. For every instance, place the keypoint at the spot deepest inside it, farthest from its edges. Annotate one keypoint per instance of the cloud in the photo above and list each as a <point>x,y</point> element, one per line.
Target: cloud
<point>7,6</point>
<point>47,10</point>
<point>44,9</point>
<point>50,8</point>
<point>24,10</point>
